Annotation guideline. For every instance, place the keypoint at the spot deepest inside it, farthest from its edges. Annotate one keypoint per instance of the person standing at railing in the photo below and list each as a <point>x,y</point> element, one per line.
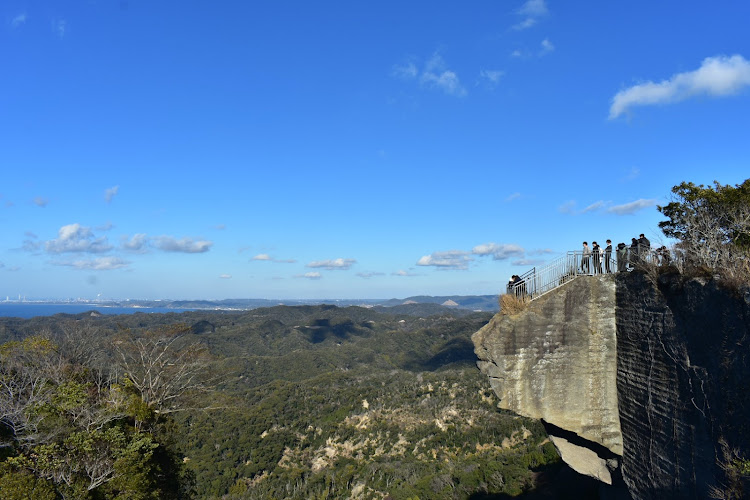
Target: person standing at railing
<point>644,247</point>
<point>597,252</point>
<point>585,258</point>
<point>622,257</point>
<point>633,257</point>
<point>608,256</point>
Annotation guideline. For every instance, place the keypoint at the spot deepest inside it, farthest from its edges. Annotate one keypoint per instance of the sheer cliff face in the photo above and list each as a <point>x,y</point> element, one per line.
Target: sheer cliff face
<point>683,377</point>
<point>556,360</point>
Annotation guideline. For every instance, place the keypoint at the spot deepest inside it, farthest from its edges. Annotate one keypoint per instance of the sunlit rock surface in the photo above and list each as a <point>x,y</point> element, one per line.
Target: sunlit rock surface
<point>557,360</point>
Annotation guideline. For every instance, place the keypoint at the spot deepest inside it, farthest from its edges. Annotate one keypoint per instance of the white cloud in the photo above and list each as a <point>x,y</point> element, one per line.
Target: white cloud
<point>534,8</point>
<point>717,77</point>
<point>97,264</point>
<point>434,75</point>
<point>220,227</point>
<point>499,251</point>
<point>40,201</point>
<point>331,265</point>
<point>184,245</point>
<point>568,207</point>
<point>19,20</point>
<point>437,75</point>
<point>513,197</point>
<point>403,273</point>
<point>77,238</point>
<point>597,205</point>
<point>541,251</point>
<point>547,47</point>
<point>370,274</point>
<point>266,257</point>
<point>516,53</point>
<point>491,77</point>
<point>105,227</point>
<point>632,207</point>
<point>531,11</point>
<point>138,243</point>
<point>225,276</point>
<point>452,259</point>
<point>528,262</point>
<point>59,27</point>
<point>110,193</point>
<point>311,275</point>
<point>406,71</point>
<point>525,24</point>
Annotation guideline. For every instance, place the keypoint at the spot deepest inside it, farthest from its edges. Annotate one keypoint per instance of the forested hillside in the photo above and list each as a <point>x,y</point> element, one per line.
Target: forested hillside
<point>281,402</point>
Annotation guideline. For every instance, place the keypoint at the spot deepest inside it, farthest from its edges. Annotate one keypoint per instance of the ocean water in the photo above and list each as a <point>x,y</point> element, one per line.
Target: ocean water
<point>25,310</point>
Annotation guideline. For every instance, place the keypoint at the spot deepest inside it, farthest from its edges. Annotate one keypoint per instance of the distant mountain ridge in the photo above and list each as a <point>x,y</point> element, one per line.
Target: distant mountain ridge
<point>484,303</point>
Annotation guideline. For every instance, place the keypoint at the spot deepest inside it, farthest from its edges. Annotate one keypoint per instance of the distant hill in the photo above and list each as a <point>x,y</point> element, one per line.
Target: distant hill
<point>471,302</point>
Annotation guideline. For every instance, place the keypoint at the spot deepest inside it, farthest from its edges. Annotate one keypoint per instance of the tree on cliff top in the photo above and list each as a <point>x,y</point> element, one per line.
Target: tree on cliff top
<point>712,224</point>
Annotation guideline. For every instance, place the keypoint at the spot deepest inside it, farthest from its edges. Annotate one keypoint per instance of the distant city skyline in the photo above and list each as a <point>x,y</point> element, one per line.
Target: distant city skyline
<point>175,150</point>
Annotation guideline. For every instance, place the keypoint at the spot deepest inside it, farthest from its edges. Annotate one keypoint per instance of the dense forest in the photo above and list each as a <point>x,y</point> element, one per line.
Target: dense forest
<point>281,402</point>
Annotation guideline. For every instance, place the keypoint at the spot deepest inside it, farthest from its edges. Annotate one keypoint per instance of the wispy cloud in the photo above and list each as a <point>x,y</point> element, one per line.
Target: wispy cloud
<point>500,251</point>
<point>40,201</point>
<point>569,207</point>
<point>111,193</point>
<point>632,207</point>
<point>76,238</point>
<point>547,47</point>
<point>19,20</point>
<point>435,74</point>
<point>225,276</point>
<point>513,197</point>
<point>370,274</point>
<point>59,27</point>
<point>332,265</point>
<point>405,274</point>
<point>313,275</point>
<point>183,245</point>
<point>491,77</point>
<point>266,257</point>
<point>531,11</point>
<point>105,227</point>
<point>717,77</point>
<point>451,259</point>
<point>597,205</point>
<point>528,262</point>
<point>632,174</point>
<point>97,264</point>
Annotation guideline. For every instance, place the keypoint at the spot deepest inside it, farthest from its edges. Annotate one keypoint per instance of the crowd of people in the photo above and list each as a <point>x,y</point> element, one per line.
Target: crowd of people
<point>596,259</point>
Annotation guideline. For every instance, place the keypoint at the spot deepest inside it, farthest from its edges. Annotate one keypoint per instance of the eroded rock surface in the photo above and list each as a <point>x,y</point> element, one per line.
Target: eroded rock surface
<point>684,384</point>
<point>557,360</point>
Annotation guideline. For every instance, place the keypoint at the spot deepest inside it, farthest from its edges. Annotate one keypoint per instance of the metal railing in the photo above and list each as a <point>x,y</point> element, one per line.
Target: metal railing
<point>537,281</point>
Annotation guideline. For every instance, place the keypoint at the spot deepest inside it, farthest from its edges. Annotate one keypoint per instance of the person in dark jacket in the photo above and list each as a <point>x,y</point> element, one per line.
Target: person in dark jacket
<point>633,257</point>
<point>644,248</point>
<point>622,257</point>
<point>608,256</point>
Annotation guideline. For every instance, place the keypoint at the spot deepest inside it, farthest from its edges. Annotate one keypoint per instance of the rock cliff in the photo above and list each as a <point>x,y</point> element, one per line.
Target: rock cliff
<point>557,360</point>
<point>654,368</point>
<point>683,378</point>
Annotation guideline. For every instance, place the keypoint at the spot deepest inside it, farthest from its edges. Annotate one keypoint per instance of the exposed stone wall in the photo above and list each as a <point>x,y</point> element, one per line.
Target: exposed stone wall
<point>556,360</point>
<point>683,377</point>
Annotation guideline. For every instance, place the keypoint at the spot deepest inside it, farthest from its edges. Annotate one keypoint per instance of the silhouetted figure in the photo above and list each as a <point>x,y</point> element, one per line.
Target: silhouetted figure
<point>644,247</point>
<point>622,257</point>
<point>633,259</point>
<point>597,252</point>
<point>608,256</point>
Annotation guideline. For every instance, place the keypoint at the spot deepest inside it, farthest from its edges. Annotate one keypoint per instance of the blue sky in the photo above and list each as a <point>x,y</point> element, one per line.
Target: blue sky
<point>350,149</point>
